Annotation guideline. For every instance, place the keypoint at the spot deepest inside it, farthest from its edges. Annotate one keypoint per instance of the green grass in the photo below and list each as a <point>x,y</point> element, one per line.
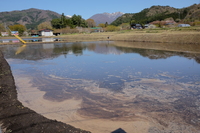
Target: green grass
<point>123,31</point>
<point>151,31</point>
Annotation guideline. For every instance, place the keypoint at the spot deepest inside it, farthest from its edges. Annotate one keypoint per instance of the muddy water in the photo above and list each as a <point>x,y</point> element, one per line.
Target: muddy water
<point>103,86</point>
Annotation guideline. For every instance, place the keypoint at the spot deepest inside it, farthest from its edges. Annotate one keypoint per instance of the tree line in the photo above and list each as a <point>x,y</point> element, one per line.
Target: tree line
<point>17,27</point>
<point>74,21</point>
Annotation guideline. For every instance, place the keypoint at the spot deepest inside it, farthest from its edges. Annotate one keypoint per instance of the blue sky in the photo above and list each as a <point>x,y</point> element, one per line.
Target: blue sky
<point>87,8</point>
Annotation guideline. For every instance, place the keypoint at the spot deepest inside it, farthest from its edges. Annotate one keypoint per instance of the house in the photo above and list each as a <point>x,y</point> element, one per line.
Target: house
<point>96,29</point>
<point>45,32</point>
<point>14,33</point>
<point>34,33</point>
<point>149,26</point>
<point>4,33</point>
<point>136,26</point>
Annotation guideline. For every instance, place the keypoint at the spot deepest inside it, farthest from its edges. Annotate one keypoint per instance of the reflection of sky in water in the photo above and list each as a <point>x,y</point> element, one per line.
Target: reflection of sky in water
<point>112,68</point>
<point>124,83</point>
<point>95,66</point>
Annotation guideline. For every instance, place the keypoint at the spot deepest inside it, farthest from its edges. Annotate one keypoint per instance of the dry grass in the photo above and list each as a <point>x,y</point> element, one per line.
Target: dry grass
<point>165,35</point>
<point>161,36</point>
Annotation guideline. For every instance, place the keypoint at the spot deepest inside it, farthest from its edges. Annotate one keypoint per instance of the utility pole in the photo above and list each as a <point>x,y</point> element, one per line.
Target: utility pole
<point>6,28</point>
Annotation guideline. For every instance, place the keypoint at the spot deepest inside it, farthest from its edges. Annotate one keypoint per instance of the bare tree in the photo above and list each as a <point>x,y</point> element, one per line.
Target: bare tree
<point>91,23</point>
<point>44,25</point>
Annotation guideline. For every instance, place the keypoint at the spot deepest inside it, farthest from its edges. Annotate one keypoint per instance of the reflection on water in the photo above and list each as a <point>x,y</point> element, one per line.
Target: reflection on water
<point>158,84</point>
<point>30,40</point>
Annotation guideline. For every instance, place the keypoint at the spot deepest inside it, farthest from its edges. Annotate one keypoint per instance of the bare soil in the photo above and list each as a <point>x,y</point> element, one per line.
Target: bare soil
<point>16,118</point>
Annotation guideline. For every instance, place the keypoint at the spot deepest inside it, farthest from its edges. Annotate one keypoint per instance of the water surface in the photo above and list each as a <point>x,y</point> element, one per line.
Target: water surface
<point>4,41</point>
<point>156,84</point>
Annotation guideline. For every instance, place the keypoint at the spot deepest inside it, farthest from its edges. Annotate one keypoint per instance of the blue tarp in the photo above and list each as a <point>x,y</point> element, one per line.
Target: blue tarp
<point>183,25</point>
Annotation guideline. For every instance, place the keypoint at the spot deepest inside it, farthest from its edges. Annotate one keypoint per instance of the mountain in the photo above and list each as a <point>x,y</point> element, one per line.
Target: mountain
<point>30,17</point>
<point>194,12</point>
<point>68,16</point>
<point>154,13</point>
<point>106,17</point>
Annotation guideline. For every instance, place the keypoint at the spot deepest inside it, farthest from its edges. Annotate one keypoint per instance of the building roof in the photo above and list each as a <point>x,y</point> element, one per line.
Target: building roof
<point>96,28</point>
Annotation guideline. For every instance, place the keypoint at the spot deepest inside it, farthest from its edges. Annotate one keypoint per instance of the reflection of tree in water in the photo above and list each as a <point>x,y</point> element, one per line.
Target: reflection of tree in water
<point>159,54</point>
<point>32,52</point>
<point>76,49</point>
<point>37,52</point>
<point>198,59</point>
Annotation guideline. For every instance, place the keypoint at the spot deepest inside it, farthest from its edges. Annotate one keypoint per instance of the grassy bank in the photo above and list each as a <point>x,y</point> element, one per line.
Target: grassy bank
<point>173,35</point>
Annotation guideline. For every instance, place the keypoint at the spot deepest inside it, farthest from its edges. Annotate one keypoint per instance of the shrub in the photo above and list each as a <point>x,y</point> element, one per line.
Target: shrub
<point>112,28</point>
<point>197,23</point>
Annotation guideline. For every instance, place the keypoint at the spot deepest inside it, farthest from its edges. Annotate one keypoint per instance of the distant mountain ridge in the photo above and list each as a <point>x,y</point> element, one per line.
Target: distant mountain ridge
<point>106,17</point>
<point>160,13</point>
<point>33,17</point>
<point>30,17</point>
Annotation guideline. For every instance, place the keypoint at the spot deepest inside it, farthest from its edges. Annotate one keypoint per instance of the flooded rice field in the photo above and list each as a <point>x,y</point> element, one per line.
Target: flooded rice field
<point>103,86</point>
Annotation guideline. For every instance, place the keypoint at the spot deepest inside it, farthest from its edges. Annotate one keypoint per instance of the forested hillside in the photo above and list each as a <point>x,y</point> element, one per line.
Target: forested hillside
<point>160,13</point>
<point>30,17</point>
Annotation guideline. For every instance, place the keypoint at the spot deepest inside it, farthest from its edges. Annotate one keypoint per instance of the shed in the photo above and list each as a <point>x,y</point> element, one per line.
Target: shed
<point>45,32</point>
<point>34,33</point>
<point>96,29</point>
